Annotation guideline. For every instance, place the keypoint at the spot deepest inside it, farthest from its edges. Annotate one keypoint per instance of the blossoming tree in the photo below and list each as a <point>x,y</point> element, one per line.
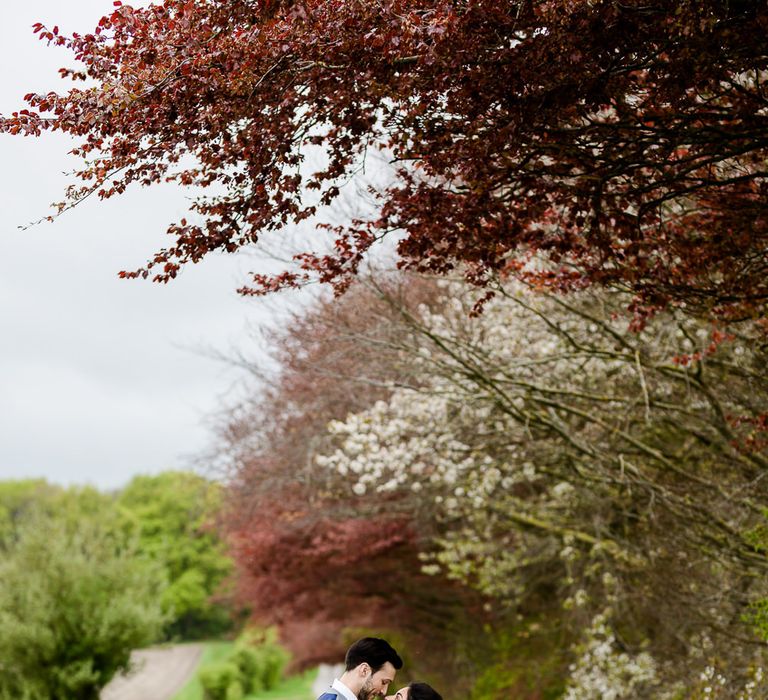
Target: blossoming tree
<point>599,488</point>
<point>552,449</point>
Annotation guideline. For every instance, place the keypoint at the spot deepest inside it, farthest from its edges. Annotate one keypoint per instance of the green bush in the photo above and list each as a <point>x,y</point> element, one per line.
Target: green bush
<point>256,663</point>
<point>275,659</point>
<point>250,661</point>
<point>235,691</point>
<point>217,678</point>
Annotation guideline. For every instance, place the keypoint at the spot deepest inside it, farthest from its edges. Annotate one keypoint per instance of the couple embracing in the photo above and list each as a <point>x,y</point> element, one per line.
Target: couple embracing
<point>369,668</point>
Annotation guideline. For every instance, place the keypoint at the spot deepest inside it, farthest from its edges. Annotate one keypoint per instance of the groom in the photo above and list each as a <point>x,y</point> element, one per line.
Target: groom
<point>370,666</point>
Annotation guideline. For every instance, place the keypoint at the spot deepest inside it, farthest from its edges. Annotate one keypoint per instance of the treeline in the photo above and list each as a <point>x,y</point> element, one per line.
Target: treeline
<point>545,499</point>
<point>86,576</point>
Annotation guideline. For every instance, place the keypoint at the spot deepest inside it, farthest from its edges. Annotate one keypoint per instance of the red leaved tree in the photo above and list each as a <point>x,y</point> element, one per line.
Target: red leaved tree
<point>313,557</point>
<point>624,141</point>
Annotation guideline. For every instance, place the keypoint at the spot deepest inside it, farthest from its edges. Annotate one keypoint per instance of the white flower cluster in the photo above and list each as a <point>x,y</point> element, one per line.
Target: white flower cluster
<point>712,680</point>
<point>754,687</point>
<point>450,435</point>
<point>463,447</point>
<point>714,685</point>
<point>405,443</point>
<point>602,672</point>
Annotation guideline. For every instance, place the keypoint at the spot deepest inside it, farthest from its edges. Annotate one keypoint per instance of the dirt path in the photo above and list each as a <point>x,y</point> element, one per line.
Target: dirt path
<point>158,674</point>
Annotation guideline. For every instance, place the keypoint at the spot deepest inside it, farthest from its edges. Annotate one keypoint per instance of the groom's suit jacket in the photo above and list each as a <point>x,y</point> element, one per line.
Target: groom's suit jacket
<point>334,694</point>
<point>331,694</point>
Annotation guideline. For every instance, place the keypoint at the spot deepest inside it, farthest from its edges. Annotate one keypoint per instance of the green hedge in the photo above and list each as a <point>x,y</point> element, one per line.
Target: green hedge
<point>256,663</point>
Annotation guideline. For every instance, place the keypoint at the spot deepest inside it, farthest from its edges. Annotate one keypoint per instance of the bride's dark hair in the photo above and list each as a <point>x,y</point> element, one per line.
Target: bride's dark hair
<point>422,691</point>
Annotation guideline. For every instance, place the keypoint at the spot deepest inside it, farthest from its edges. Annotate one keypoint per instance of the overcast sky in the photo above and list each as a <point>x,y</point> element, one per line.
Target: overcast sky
<point>100,379</point>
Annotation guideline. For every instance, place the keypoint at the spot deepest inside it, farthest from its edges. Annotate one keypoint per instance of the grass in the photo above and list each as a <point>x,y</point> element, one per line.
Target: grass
<point>293,688</point>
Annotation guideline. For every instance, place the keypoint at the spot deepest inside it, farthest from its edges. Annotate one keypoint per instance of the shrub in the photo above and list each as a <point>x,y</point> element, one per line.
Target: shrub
<point>275,660</point>
<point>256,663</point>
<point>219,680</point>
<point>235,691</point>
<point>251,663</point>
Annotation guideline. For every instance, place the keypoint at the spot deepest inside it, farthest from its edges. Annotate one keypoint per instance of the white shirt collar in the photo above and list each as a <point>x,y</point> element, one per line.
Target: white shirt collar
<point>346,692</point>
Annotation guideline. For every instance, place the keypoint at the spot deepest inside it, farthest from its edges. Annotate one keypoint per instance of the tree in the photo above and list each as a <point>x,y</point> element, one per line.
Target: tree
<point>172,515</point>
<point>311,558</point>
<point>624,141</point>
<point>29,499</point>
<point>73,604</point>
<point>17,500</point>
<point>599,487</point>
<point>601,481</point>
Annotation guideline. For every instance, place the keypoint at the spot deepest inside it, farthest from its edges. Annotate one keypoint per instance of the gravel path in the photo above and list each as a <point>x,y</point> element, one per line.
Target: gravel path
<point>158,674</point>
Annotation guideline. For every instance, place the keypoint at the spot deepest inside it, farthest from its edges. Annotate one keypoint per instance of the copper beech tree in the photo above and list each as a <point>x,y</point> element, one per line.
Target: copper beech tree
<point>312,556</point>
<point>624,142</point>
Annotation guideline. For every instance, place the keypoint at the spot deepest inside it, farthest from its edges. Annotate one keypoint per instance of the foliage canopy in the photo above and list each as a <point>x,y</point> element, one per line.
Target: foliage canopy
<point>626,140</point>
<point>171,515</point>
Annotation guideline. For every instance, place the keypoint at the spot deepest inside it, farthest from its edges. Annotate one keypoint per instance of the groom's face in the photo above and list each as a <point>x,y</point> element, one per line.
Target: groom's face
<point>376,684</point>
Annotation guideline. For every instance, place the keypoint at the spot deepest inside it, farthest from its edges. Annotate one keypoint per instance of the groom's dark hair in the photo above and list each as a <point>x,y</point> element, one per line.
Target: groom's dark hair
<point>422,691</point>
<point>372,651</point>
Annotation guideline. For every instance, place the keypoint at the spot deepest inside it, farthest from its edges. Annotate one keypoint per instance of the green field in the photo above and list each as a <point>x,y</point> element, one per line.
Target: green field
<point>294,688</point>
